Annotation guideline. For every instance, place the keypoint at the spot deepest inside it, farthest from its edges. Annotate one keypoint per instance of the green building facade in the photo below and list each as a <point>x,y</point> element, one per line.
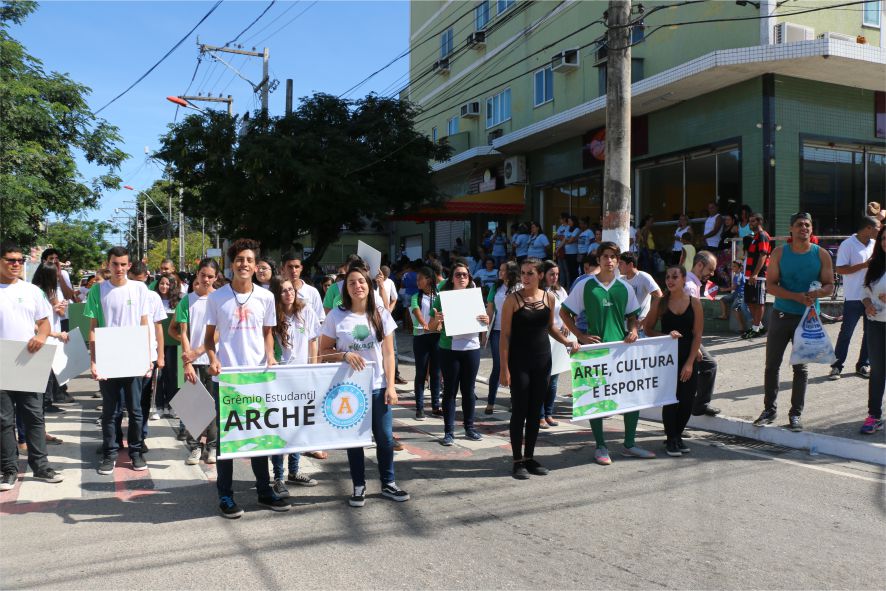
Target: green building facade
<point>775,105</point>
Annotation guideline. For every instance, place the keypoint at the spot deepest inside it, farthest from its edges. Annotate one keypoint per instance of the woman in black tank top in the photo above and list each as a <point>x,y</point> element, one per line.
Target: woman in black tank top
<point>681,317</point>
<point>527,320</point>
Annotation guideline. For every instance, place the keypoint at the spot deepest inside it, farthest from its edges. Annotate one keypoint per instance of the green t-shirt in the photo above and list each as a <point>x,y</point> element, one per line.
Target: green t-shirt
<point>332,299</point>
<point>425,306</point>
<point>605,307</point>
<point>445,341</point>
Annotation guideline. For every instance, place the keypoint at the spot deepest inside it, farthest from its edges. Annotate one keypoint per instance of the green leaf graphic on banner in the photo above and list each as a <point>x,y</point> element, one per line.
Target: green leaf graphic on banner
<point>596,407</point>
<point>265,442</point>
<point>248,378</point>
<point>593,354</point>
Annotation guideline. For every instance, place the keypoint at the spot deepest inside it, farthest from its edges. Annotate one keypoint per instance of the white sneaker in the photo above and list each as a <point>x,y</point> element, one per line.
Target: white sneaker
<point>211,454</point>
<point>194,457</point>
<point>154,416</point>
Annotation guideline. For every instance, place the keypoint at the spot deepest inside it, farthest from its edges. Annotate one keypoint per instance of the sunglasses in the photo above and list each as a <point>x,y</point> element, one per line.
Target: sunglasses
<point>14,261</point>
<point>460,275</point>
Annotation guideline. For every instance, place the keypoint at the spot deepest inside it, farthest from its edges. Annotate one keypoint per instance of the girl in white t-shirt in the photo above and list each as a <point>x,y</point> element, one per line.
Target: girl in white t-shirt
<point>168,287</point>
<point>46,278</point>
<point>358,331</point>
<point>508,275</point>
<point>295,343</point>
<point>552,284</point>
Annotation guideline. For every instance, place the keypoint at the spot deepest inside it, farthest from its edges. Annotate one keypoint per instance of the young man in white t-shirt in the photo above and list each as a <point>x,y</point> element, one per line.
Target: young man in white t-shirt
<point>853,257</point>
<point>243,316</point>
<point>292,270</point>
<point>23,307</point>
<point>118,302</point>
<point>645,287</point>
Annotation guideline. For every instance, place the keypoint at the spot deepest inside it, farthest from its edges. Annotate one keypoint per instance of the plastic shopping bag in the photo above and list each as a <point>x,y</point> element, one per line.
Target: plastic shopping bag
<point>811,343</point>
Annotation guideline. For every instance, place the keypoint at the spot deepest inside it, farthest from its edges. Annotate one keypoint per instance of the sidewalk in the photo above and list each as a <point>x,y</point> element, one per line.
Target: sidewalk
<point>833,413</point>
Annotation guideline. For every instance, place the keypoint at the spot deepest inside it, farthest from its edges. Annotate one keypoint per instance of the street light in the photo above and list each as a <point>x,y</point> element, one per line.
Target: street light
<point>184,103</point>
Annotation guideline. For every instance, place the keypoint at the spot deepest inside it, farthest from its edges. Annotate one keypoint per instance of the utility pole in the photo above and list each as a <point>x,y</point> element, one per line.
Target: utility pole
<point>617,168</point>
<point>212,99</point>
<point>145,233</point>
<point>289,96</point>
<point>181,231</point>
<point>169,231</point>
<point>264,86</point>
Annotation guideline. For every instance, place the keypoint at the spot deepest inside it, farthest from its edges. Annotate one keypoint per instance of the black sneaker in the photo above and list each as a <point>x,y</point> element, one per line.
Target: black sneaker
<point>420,414</point>
<point>520,472</point>
<point>747,334</point>
<point>766,418</point>
<point>145,448</point>
<point>473,435</point>
<point>274,503</point>
<point>394,492</point>
<point>138,462</point>
<point>711,411</point>
<point>107,465</point>
<point>535,468</point>
<point>761,332</point>
<point>794,424</point>
<point>51,408</point>
<point>358,499</point>
<point>229,509</point>
<point>48,475</point>
<point>7,481</point>
<point>682,446</point>
<point>301,479</point>
<point>863,372</point>
<point>182,435</point>
<point>672,450</point>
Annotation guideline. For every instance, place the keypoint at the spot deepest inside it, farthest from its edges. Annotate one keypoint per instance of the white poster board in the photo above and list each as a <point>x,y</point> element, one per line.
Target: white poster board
<point>560,360</point>
<point>460,310</point>
<point>370,256</point>
<point>195,407</point>
<point>71,358</point>
<point>21,371</point>
<point>122,352</point>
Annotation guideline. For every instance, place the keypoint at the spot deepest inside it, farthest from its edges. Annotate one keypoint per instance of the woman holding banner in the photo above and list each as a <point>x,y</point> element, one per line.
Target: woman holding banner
<point>358,331</point>
<point>295,343</point>
<point>682,317</point>
<point>460,359</point>
<point>526,321</point>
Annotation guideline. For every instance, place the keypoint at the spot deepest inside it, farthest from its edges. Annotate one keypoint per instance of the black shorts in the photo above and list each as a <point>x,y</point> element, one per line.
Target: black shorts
<point>755,294</point>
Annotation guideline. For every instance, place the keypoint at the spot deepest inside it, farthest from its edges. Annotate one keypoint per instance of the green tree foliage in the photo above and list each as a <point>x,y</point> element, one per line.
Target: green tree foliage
<point>81,242</point>
<point>331,164</point>
<point>193,251</point>
<point>45,123</point>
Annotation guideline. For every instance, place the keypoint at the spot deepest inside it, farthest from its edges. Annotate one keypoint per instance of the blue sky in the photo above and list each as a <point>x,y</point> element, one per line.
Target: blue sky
<point>107,45</point>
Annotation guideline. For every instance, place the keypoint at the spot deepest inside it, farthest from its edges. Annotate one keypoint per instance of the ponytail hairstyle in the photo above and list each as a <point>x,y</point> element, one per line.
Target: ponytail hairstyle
<point>663,303</point>
<point>431,278</point>
<point>512,272</point>
<point>371,307</point>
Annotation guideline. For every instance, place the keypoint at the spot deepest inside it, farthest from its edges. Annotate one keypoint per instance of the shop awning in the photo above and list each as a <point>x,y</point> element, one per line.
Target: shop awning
<point>504,202</point>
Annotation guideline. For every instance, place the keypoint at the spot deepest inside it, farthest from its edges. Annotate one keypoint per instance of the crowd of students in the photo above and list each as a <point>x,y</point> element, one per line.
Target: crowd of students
<point>262,317</point>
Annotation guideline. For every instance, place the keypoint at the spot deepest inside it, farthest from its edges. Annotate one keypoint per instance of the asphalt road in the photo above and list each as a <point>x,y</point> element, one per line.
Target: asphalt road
<point>733,514</point>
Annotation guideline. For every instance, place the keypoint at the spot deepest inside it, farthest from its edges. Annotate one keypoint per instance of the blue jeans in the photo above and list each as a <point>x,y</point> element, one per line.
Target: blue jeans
<point>550,397</point>
<point>459,371</point>
<point>119,394</point>
<point>494,339</point>
<point>382,431</point>
<point>852,311</point>
<point>277,464</point>
<point>427,355</point>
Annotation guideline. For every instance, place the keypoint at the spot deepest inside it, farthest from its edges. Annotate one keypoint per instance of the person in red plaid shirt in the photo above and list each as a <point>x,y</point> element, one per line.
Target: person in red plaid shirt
<point>755,275</point>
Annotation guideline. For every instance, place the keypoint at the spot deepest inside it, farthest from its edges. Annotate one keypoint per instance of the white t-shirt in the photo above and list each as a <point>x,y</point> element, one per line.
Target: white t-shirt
<point>391,290</point>
<point>501,294</point>
<point>709,225</point>
<point>239,318</point>
<point>678,238</point>
<point>571,247</point>
<point>643,285</point>
<point>57,318</point>
<point>353,332</point>
<point>197,324</point>
<point>560,296</point>
<point>312,298</point>
<point>302,330</point>
<point>156,315</point>
<point>66,277</point>
<point>853,252</point>
<point>877,289</point>
<point>22,304</point>
<point>122,305</point>
<point>693,285</point>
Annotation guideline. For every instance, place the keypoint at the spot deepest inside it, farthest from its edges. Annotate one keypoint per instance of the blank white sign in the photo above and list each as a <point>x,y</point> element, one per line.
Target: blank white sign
<point>460,310</point>
<point>370,256</point>
<point>122,351</point>
<point>195,407</point>
<point>71,358</point>
<point>560,360</point>
<point>21,371</point>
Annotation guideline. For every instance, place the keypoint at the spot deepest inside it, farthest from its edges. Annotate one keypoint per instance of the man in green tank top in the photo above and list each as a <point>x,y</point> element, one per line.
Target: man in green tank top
<point>792,270</point>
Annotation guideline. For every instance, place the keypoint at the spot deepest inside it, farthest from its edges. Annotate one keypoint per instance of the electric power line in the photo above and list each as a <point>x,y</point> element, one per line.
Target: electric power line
<point>249,26</point>
<point>289,22</point>
<point>272,22</point>
<point>162,59</point>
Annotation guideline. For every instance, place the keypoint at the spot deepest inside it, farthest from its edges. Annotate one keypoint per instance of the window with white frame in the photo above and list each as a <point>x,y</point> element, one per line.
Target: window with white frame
<point>452,126</point>
<point>498,108</point>
<point>481,15</point>
<point>870,16</point>
<point>446,43</point>
<point>503,5</point>
<point>544,86</point>
<point>434,134</point>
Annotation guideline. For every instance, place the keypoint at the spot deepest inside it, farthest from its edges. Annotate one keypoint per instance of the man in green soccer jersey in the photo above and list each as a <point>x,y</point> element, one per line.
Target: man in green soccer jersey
<point>609,304</point>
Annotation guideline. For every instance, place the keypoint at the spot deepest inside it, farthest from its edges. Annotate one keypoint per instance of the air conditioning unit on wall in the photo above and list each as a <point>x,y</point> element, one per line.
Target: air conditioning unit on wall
<point>477,39</point>
<point>838,37</point>
<point>565,61</point>
<point>791,33</point>
<point>471,109</point>
<point>515,170</point>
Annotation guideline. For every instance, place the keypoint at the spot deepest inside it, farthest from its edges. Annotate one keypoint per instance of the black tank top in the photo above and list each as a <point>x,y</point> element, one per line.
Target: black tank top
<point>682,323</point>
<point>529,332</point>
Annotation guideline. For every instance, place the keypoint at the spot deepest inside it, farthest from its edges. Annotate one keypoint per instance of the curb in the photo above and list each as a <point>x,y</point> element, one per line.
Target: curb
<point>815,443</point>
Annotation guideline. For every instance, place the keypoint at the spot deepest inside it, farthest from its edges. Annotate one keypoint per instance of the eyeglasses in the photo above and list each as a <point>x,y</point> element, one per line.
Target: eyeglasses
<point>14,261</point>
<point>460,275</point>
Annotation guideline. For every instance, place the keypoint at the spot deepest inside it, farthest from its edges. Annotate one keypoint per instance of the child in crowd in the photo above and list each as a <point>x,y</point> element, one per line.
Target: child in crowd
<point>734,298</point>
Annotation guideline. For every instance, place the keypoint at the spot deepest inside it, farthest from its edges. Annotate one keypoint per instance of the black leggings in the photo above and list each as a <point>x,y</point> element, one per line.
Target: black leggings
<point>675,416</point>
<point>529,384</point>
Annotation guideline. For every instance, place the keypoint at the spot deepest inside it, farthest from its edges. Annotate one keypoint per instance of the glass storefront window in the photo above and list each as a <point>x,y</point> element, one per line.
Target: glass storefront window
<point>579,198</point>
<point>701,185</point>
<point>833,187</point>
